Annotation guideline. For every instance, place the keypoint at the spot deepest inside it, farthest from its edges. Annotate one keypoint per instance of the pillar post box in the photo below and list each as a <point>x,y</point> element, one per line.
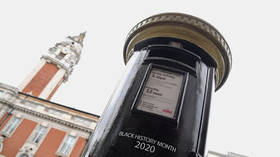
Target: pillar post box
<point>161,106</point>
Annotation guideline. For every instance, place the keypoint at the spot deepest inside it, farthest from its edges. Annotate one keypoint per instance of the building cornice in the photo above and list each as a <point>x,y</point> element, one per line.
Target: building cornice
<point>12,103</point>
<point>12,89</point>
<point>53,119</point>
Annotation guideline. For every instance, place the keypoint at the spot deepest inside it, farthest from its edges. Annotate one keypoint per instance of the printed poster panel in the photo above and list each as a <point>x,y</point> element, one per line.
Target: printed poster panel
<point>161,93</point>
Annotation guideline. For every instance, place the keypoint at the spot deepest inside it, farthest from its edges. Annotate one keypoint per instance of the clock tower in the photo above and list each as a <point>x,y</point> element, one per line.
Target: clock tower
<point>53,68</point>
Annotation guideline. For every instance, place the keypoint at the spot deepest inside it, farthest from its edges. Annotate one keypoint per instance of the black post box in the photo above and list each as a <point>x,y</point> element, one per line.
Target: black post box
<point>161,106</point>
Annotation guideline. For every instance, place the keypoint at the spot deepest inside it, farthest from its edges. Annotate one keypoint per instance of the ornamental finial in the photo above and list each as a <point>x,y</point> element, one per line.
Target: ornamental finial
<point>79,39</point>
<point>82,36</point>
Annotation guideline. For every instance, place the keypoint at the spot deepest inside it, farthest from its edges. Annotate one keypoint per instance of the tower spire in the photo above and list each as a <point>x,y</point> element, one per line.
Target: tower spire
<point>82,36</point>
<point>79,38</point>
<point>54,67</point>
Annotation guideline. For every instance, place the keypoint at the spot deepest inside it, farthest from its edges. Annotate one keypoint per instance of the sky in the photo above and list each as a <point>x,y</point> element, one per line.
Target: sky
<point>245,112</point>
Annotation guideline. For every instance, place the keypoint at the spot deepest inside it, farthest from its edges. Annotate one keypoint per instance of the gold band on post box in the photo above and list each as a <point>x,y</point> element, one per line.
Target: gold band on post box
<point>185,27</point>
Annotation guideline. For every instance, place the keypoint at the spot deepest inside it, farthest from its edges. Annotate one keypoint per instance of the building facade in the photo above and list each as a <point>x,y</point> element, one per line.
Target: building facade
<point>30,124</point>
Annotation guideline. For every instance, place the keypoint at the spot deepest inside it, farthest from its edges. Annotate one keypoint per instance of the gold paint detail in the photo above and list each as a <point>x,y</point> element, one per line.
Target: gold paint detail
<point>185,27</point>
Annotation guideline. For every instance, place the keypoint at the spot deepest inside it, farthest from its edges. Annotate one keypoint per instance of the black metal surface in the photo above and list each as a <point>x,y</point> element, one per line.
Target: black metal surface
<point>122,132</point>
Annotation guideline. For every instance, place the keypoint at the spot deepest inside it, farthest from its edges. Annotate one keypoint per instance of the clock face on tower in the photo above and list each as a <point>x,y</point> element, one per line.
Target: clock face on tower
<point>65,50</point>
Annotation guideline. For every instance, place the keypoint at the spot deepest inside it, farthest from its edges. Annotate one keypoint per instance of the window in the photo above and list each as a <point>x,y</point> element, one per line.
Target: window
<point>39,134</point>
<point>11,126</point>
<point>67,145</point>
<point>1,92</point>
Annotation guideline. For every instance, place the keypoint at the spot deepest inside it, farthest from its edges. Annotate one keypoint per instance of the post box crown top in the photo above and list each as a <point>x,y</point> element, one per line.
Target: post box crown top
<point>185,27</point>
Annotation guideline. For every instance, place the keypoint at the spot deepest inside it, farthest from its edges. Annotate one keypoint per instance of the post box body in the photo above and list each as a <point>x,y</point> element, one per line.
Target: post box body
<point>161,106</point>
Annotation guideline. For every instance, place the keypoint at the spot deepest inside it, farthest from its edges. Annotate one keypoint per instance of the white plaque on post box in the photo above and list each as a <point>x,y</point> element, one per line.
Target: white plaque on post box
<point>161,93</point>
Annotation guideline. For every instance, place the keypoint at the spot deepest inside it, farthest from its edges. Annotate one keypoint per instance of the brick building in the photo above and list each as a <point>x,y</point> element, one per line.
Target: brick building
<point>30,124</point>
